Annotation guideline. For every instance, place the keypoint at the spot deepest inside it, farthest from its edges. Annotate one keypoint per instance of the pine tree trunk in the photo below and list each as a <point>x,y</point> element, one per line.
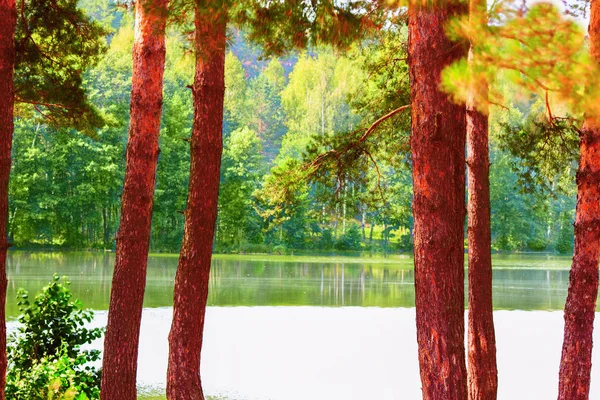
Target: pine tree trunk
<point>482,372</point>
<point>576,360</point>
<point>119,364</point>
<point>482,369</point>
<point>438,154</point>
<point>8,16</point>
<point>193,271</point>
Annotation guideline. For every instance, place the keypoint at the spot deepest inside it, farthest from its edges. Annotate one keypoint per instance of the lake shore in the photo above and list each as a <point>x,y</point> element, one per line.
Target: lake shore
<point>293,353</point>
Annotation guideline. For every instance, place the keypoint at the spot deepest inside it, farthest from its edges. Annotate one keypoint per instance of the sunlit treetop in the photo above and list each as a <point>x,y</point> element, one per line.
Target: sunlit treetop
<point>56,42</point>
<point>539,49</point>
<point>542,57</point>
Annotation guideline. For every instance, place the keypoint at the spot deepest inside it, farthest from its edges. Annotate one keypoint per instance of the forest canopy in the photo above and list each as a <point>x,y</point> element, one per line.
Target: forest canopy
<point>279,113</point>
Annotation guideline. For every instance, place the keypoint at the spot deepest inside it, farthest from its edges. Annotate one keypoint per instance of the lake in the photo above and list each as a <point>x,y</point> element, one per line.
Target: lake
<point>324,328</point>
<point>521,282</point>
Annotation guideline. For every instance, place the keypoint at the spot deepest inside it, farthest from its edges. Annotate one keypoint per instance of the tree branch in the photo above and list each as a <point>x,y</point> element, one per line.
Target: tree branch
<point>39,103</point>
<point>380,120</point>
<point>551,118</point>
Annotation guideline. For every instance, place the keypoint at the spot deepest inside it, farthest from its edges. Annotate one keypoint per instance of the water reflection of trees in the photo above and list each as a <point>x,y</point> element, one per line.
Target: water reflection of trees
<point>338,284</point>
<point>251,283</point>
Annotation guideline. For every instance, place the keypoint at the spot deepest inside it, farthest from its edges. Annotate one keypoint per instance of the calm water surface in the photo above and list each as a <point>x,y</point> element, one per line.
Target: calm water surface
<point>527,282</point>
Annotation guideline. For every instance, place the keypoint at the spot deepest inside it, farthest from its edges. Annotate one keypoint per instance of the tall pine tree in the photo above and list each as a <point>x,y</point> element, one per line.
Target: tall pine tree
<point>482,369</point>
<point>279,27</point>
<point>438,156</point>
<point>8,16</point>
<point>119,364</point>
<point>580,308</point>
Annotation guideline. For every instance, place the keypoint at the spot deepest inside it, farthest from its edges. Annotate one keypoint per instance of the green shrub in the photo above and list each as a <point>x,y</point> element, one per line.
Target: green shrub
<point>45,359</point>
<point>564,242</point>
<point>280,249</point>
<point>54,377</point>
<point>405,242</point>
<point>326,241</point>
<point>351,240</point>
<point>537,244</point>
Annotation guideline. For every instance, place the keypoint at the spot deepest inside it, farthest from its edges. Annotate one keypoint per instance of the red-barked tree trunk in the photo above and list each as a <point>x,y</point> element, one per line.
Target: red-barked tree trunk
<point>482,369</point>
<point>483,373</point>
<point>438,155</point>
<point>576,360</point>
<point>193,271</point>
<point>119,365</point>
<point>8,18</point>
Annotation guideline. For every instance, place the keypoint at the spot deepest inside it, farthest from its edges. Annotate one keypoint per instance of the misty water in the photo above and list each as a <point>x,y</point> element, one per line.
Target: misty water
<point>337,327</point>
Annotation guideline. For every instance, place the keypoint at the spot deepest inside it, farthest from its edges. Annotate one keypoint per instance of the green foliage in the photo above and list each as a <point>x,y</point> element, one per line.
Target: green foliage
<point>350,240</point>
<point>546,151</point>
<point>174,160</point>
<point>385,88</point>
<point>524,220</point>
<point>266,115</point>
<point>236,92</point>
<point>538,49</point>
<point>564,243</point>
<point>315,100</point>
<point>62,181</point>
<point>280,116</point>
<point>326,242</point>
<point>56,42</point>
<point>56,377</point>
<point>241,167</point>
<point>283,26</point>
<point>45,357</point>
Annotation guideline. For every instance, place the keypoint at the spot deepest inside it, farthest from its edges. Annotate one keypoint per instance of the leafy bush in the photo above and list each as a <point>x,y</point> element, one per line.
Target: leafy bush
<point>537,244</point>
<point>350,240</point>
<point>405,243</point>
<point>326,242</point>
<point>45,358</point>
<point>280,249</point>
<point>54,377</point>
<point>564,244</point>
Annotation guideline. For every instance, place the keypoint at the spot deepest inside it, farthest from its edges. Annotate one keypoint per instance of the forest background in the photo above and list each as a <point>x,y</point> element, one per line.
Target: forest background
<point>279,113</point>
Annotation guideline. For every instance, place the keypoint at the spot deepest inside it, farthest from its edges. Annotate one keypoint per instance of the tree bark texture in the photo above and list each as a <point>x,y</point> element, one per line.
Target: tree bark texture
<point>438,152</point>
<point>193,271</point>
<point>119,365</point>
<point>482,368</point>
<point>8,18</point>
<point>576,360</point>
<point>482,371</point>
